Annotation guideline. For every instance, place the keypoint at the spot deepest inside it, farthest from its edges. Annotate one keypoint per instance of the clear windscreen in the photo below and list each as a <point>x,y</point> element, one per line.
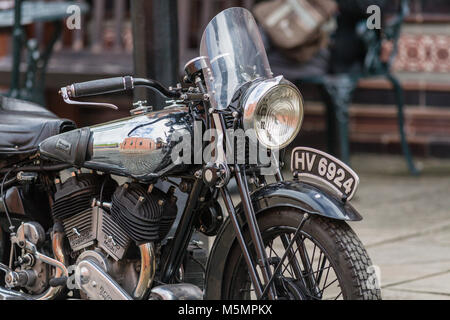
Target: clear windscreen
<point>236,53</point>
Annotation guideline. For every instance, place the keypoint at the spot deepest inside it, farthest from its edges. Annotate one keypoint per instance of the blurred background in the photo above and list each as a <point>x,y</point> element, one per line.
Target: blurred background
<point>103,47</point>
<point>346,71</point>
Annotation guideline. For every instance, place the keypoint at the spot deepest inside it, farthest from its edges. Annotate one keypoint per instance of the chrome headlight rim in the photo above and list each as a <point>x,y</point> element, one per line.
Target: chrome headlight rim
<point>252,101</point>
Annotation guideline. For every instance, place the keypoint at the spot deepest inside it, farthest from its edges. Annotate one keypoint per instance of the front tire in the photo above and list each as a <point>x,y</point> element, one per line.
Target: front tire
<point>327,260</point>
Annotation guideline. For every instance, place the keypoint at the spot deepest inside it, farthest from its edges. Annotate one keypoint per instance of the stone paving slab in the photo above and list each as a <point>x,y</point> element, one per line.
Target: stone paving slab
<point>436,285</point>
<point>396,294</point>
<point>406,226</point>
<point>420,264</point>
<point>395,204</point>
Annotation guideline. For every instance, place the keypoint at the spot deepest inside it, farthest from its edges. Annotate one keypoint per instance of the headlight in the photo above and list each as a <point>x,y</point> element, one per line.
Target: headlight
<point>274,109</point>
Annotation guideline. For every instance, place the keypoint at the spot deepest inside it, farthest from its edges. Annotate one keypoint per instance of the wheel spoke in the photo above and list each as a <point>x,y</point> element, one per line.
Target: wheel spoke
<point>315,272</point>
<point>321,292</point>
<point>313,255</point>
<point>272,250</point>
<point>324,283</point>
<point>306,265</point>
<point>320,271</point>
<point>337,297</point>
<point>304,255</point>
<point>295,265</point>
<point>310,281</point>
<point>289,260</point>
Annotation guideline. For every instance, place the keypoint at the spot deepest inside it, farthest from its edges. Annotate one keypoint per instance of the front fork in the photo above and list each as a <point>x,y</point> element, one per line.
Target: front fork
<point>255,233</point>
<point>217,121</point>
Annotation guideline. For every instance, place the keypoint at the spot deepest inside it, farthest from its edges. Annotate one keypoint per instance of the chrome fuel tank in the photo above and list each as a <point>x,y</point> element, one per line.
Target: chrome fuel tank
<point>140,146</point>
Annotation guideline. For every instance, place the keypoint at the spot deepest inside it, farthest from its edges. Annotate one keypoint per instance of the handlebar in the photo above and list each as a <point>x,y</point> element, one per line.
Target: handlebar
<point>109,85</point>
<point>100,86</point>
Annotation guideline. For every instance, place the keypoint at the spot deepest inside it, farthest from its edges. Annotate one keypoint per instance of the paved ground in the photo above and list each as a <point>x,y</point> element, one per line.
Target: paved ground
<point>406,226</point>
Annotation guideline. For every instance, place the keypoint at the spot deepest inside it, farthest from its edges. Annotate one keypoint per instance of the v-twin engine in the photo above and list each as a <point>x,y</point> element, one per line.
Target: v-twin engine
<point>138,213</point>
<point>84,224</point>
<point>113,232</point>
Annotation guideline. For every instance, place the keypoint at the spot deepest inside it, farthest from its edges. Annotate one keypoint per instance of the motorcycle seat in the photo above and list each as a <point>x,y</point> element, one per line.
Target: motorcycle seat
<point>23,125</point>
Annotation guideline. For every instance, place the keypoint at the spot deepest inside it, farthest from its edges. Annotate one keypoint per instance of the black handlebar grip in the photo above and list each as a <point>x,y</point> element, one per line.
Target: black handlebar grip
<point>101,86</point>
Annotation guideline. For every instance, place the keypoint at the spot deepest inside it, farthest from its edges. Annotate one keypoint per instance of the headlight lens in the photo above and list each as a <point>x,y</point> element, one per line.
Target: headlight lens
<point>275,112</point>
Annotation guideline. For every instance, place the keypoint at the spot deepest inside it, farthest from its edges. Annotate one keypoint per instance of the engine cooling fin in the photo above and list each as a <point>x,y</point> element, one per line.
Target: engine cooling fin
<point>142,215</point>
<point>76,193</point>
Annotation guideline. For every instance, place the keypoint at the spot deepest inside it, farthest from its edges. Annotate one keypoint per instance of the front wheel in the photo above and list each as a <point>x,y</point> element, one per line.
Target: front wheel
<point>326,261</point>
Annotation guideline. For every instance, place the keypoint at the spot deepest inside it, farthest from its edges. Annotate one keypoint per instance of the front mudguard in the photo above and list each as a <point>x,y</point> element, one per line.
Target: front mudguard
<point>291,194</point>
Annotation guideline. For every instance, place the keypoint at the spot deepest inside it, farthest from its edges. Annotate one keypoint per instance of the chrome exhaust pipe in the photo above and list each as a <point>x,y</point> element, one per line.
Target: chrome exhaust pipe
<point>59,263</point>
<point>6,294</point>
<point>179,291</point>
<point>148,269</point>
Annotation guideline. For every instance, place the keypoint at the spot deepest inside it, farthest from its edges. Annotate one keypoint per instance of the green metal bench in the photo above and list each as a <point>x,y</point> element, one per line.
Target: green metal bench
<point>26,13</point>
<point>337,89</point>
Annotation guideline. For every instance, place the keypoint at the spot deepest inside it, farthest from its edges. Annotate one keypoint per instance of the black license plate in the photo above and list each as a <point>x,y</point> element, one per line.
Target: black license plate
<point>324,168</point>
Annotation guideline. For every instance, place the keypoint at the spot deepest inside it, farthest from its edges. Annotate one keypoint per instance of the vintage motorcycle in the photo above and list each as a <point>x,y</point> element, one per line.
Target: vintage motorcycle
<point>69,229</point>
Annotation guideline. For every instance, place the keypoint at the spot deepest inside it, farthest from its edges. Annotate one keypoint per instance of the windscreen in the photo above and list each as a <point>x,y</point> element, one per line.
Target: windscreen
<point>236,53</point>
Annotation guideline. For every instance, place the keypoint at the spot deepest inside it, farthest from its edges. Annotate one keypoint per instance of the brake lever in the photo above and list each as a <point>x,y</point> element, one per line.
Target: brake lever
<point>67,100</point>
